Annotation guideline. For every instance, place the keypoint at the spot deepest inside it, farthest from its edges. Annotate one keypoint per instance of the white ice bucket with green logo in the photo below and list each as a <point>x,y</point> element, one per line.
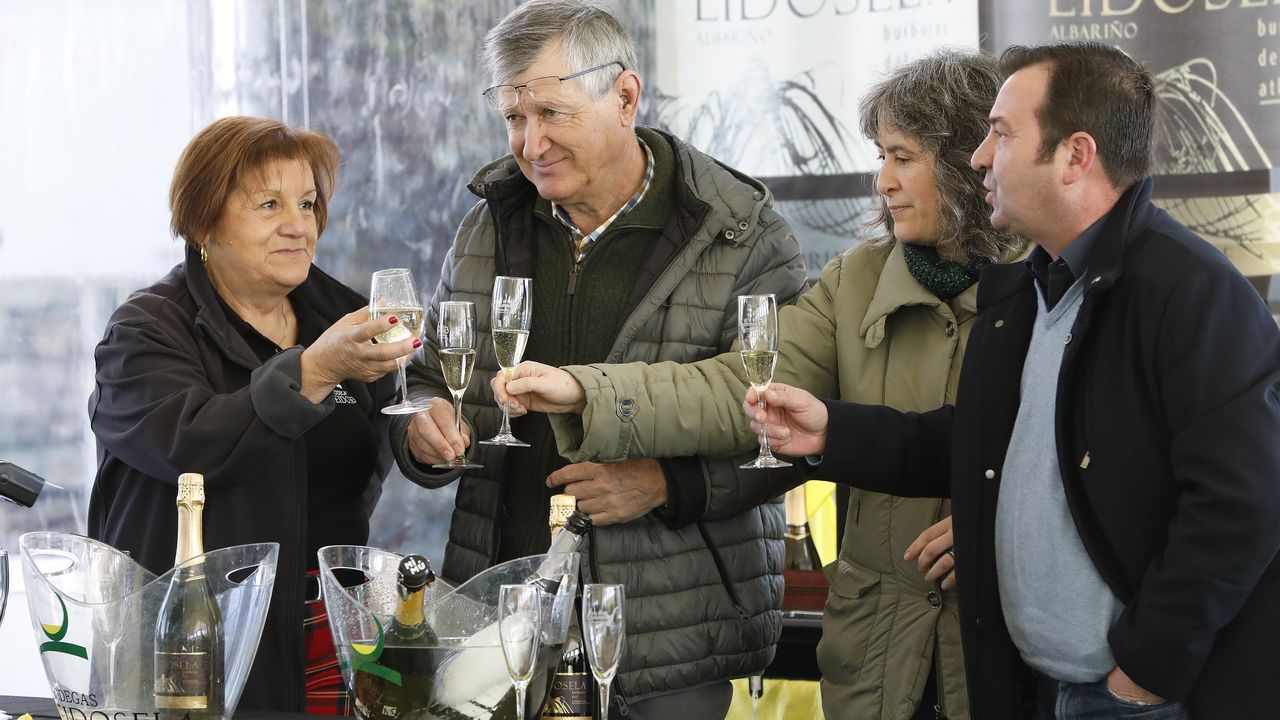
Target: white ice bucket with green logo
<point>470,677</point>
<point>94,613</point>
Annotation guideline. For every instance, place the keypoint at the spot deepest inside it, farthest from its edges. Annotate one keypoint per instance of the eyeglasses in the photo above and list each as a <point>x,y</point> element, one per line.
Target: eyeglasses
<point>540,89</point>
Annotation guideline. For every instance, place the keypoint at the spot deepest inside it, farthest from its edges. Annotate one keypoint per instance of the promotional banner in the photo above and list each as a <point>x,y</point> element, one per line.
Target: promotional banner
<point>771,87</point>
<point>1217,68</point>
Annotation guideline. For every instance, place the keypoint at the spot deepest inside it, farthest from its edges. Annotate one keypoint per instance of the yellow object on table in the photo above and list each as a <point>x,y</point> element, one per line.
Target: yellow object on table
<point>820,499</point>
<point>795,699</point>
<point>782,700</point>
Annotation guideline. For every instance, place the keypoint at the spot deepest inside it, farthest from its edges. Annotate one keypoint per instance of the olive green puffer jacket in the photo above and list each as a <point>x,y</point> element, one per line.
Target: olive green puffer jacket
<point>704,599</point>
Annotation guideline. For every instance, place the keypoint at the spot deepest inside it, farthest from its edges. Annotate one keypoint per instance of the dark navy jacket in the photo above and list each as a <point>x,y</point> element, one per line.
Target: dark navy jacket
<point>1168,440</point>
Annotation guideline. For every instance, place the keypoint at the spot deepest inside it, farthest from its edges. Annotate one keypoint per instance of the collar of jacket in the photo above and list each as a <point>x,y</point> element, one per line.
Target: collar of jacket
<point>501,182</point>
<point>319,290</point>
<point>1128,218</point>
<point>896,289</point>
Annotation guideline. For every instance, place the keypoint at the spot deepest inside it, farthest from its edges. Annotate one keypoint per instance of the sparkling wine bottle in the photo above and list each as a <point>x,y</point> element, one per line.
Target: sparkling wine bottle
<point>402,686</point>
<point>571,691</point>
<point>801,554</point>
<point>569,528</point>
<point>188,640</point>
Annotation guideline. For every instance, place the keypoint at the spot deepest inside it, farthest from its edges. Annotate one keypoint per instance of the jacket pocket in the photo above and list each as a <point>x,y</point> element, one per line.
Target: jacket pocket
<point>847,621</point>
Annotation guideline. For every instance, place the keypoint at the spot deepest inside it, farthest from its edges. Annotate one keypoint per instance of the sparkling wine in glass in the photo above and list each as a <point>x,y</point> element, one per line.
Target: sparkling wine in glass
<point>394,293</point>
<point>605,631</point>
<point>519,615</point>
<point>512,313</point>
<point>456,335</point>
<point>758,345</point>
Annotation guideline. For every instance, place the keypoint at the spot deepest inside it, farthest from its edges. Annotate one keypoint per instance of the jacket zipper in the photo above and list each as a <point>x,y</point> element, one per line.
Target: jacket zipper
<point>573,288</point>
<point>573,277</point>
<point>743,615</point>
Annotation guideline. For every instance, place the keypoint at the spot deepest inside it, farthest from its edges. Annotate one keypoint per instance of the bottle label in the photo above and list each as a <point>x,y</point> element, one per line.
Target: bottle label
<point>182,680</point>
<point>570,697</point>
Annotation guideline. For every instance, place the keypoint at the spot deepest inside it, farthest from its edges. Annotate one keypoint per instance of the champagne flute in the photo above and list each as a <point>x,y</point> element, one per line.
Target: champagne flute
<point>393,293</point>
<point>512,313</point>
<point>108,592</point>
<point>4,581</point>
<point>456,333</point>
<point>4,598</point>
<point>519,615</point>
<point>758,345</point>
<point>602,621</point>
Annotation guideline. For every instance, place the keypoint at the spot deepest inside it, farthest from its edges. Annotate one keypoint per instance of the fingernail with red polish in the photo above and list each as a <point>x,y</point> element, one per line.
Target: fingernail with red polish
<point>392,320</point>
<point>417,344</point>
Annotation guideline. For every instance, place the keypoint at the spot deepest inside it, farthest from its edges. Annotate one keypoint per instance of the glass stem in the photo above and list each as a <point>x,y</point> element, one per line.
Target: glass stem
<point>457,425</point>
<point>403,394</point>
<point>604,698</point>
<point>505,430</point>
<point>765,450</point>
<point>521,691</point>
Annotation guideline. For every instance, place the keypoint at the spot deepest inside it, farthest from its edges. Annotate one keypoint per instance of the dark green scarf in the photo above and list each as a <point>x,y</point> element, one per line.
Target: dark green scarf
<point>944,278</point>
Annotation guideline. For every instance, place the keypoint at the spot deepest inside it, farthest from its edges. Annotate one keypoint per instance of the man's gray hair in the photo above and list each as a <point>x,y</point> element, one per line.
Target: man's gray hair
<point>588,36</point>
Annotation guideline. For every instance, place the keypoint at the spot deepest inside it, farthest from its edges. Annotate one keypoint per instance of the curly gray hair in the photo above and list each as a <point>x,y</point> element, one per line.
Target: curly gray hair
<point>588,36</point>
<point>942,101</point>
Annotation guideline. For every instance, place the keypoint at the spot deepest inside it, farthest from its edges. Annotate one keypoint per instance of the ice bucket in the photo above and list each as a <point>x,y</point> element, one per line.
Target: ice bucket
<point>469,672</point>
<point>94,613</point>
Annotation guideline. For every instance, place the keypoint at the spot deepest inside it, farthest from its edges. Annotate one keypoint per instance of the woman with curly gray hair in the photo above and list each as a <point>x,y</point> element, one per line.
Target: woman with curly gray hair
<point>886,324</point>
<point>890,643</point>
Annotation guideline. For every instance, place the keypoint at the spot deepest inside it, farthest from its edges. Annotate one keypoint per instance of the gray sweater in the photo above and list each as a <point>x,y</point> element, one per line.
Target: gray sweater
<point>1056,604</point>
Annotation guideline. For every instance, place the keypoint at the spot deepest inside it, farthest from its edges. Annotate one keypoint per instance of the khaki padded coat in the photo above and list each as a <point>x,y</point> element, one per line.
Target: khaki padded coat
<point>901,346</point>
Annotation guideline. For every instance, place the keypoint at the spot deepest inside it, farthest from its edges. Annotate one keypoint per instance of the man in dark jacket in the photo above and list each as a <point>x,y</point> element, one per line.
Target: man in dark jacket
<point>1112,453</point>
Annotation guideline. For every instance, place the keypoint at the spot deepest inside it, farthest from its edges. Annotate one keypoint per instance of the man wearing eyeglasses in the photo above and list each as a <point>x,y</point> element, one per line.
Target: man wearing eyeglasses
<point>638,246</point>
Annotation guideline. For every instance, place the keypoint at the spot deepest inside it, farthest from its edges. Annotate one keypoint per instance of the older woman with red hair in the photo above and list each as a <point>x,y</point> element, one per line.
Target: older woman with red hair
<point>250,365</point>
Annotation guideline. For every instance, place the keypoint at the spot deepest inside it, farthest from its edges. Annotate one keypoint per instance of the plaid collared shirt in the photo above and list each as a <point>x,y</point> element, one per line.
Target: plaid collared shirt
<point>585,241</point>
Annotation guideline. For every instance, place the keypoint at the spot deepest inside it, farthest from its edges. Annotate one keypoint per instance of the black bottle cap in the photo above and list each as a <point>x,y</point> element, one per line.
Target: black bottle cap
<point>578,523</point>
<point>415,573</point>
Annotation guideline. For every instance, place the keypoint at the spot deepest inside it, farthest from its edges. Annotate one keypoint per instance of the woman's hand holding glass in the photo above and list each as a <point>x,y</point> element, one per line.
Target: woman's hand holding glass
<point>519,617</point>
<point>456,336</point>
<point>346,352</point>
<point>604,631</point>
<point>534,387</point>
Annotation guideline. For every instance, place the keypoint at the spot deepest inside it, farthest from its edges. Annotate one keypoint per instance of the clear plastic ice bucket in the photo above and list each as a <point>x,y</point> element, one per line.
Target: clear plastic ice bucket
<point>94,613</point>
<point>470,674</point>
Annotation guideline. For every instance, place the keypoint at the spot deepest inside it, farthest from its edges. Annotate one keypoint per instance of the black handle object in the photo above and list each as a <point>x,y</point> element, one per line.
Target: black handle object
<point>19,486</point>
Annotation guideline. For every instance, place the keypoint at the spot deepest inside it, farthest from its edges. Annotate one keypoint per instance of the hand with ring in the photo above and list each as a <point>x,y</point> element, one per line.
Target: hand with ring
<point>934,553</point>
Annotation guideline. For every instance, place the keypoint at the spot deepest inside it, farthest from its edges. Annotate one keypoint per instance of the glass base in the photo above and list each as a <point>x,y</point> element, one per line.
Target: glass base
<point>764,462</point>
<point>406,408</point>
<point>505,439</point>
<point>458,465</point>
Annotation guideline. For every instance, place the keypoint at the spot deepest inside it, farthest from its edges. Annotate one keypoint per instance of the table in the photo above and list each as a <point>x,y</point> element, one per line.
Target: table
<point>794,660</point>
<point>43,709</point>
